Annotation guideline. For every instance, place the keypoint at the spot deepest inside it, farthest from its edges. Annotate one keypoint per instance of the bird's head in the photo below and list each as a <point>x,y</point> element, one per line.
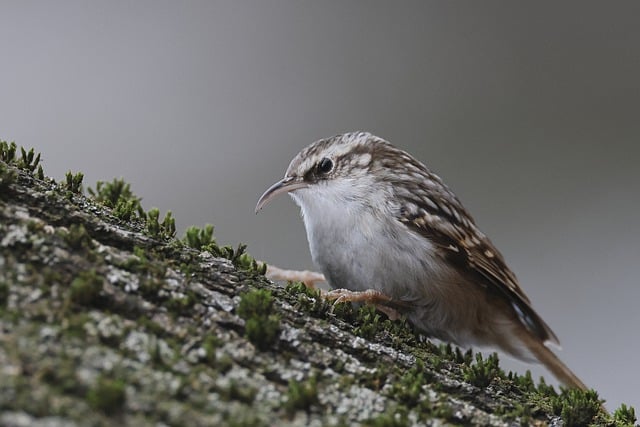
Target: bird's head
<point>332,170</point>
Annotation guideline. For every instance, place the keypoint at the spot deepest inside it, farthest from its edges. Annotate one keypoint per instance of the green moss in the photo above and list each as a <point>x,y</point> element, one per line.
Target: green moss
<point>151,326</point>
<point>521,412</point>
<point>262,326</point>
<point>182,304</point>
<point>248,263</point>
<point>62,376</point>
<point>114,192</point>
<point>107,395</point>
<point>168,225</point>
<point>8,152</point>
<point>299,288</point>
<point>85,289</point>
<point>4,294</point>
<point>576,407</point>
<point>263,331</point>
<point>7,177</point>
<point>545,389</point>
<point>444,411</point>
<point>224,363</point>
<point>126,210</point>
<point>152,222</point>
<point>74,324</point>
<point>151,267</point>
<point>408,389</point>
<point>243,261</point>
<point>524,382</point>
<point>257,302</point>
<point>78,238</point>
<point>245,419</point>
<point>150,287</point>
<point>392,417</point>
<point>455,354</point>
<point>210,344</point>
<point>482,372</point>
<point>240,392</point>
<point>198,238</point>
<point>369,322</point>
<point>624,416</point>
<point>309,300</point>
<point>203,239</point>
<point>137,262</point>
<point>302,395</point>
<point>40,173</point>
<point>73,183</point>
<point>165,229</point>
<point>28,161</point>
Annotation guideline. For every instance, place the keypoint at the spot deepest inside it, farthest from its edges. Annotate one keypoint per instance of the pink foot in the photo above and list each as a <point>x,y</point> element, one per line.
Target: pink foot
<point>309,278</point>
<point>370,296</point>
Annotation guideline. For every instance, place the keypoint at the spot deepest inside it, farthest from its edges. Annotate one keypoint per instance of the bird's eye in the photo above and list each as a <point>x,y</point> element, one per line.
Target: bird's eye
<point>324,166</point>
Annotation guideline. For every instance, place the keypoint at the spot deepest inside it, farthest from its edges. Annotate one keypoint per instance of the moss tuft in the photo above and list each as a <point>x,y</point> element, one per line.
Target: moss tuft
<point>524,382</point>
<point>308,299</point>
<point>63,376</point>
<point>78,238</point>
<point>73,183</point>
<point>243,261</point>
<point>165,229</point>
<point>455,354</point>
<point>262,326</point>
<point>126,210</point>
<point>198,238</point>
<point>28,161</point>
<point>7,177</point>
<point>8,152</point>
<point>114,192</point>
<point>369,322</point>
<point>392,417</point>
<point>408,389</point>
<point>301,396</point>
<point>4,294</point>
<point>40,173</point>
<point>482,372</point>
<point>576,407</point>
<point>107,395</point>
<point>210,344</point>
<point>202,239</point>
<point>240,392</point>
<point>85,289</point>
<point>625,416</point>
<point>181,304</point>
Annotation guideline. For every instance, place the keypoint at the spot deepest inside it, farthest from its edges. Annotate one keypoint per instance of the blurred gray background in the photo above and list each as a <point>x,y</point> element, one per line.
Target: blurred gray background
<point>530,112</point>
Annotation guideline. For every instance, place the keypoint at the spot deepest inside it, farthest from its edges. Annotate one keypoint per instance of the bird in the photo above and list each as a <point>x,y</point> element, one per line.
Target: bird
<point>383,228</point>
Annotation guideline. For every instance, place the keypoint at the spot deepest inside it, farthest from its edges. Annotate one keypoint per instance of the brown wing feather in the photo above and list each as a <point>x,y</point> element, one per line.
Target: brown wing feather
<point>446,223</point>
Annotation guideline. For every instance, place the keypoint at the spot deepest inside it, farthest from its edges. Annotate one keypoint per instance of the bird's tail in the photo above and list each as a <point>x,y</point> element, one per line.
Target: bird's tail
<point>553,363</point>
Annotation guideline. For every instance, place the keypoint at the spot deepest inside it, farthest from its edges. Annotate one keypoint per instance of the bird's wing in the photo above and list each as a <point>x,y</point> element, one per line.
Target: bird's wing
<point>442,219</point>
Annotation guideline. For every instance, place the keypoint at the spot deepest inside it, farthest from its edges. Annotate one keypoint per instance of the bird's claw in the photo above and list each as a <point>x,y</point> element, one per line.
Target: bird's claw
<point>370,296</point>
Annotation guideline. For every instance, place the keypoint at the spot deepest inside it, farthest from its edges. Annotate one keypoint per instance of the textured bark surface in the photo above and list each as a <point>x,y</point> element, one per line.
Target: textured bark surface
<point>101,323</point>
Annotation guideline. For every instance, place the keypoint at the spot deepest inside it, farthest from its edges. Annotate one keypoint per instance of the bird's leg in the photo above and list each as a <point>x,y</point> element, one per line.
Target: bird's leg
<point>379,300</point>
<point>309,278</point>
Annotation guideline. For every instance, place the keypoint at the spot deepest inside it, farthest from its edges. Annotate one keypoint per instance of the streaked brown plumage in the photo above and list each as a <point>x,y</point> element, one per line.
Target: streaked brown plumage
<point>377,218</point>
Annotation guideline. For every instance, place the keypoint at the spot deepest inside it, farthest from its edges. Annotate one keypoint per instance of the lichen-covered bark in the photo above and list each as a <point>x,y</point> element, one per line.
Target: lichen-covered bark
<point>102,324</point>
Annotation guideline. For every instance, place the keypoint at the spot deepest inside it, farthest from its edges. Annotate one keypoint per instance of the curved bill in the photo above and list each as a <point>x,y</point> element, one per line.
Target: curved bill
<point>285,185</point>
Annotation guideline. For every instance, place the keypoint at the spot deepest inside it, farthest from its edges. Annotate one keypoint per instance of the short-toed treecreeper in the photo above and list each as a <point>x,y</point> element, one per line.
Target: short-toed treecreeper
<point>384,228</point>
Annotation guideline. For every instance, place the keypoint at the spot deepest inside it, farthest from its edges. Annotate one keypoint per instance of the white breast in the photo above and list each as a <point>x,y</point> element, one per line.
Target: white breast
<point>358,246</point>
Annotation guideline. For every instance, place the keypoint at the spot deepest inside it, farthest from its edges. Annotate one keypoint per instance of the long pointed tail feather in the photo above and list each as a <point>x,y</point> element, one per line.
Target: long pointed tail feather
<point>554,364</point>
